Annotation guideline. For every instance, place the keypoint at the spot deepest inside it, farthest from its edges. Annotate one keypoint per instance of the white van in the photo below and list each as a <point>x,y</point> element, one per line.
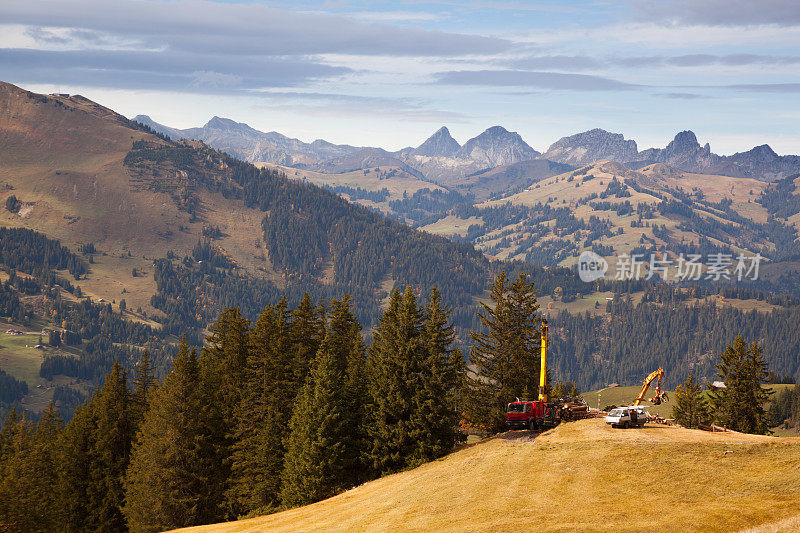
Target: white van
<point>626,417</point>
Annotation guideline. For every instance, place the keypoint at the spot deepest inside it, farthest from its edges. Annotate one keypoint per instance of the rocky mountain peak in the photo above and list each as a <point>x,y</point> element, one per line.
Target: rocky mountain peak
<point>219,123</point>
<point>588,146</point>
<point>685,141</point>
<point>497,146</point>
<point>440,143</point>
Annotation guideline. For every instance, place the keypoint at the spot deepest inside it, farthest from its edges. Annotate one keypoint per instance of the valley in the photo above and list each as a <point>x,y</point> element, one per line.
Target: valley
<point>179,231</point>
<point>494,266</point>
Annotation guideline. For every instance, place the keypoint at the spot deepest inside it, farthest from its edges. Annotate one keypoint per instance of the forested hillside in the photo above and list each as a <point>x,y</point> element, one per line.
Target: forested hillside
<point>163,235</point>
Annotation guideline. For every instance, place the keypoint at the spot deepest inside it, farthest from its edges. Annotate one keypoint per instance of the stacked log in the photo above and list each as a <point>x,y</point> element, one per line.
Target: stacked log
<point>574,411</point>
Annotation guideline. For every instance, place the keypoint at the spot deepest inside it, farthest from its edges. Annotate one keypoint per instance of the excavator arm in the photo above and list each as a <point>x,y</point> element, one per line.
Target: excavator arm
<point>660,395</point>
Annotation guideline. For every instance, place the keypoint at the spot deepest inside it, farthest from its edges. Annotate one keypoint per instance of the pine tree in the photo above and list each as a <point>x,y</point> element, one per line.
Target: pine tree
<point>436,415</point>
<point>28,472</point>
<point>740,404</point>
<point>505,356</point>
<point>323,450</point>
<point>756,372</point>
<point>796,407</point>
<point>77,448</point>
<point>263,415</point>
<point>224,361</point>
<point>396,358</point>
<point>307,331</point>
<point>143,382</point>
<point>174,473</point>
<point>691,407</point>
<point>95,451</point>
<point>111,453</point>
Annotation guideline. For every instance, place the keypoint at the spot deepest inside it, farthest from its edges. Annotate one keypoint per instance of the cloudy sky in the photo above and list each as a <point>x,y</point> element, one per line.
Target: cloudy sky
<point>391,73</point>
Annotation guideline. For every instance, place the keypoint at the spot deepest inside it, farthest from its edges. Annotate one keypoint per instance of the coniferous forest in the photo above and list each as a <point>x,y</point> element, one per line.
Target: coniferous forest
<point>282,411</point>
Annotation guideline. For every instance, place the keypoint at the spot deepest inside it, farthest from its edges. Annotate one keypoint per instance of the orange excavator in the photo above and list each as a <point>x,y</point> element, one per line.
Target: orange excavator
<point>660,396</point>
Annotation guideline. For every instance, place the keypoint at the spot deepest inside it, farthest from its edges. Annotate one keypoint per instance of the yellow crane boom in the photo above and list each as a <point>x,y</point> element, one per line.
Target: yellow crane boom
<point>660,396</point>
<point>543,371</point>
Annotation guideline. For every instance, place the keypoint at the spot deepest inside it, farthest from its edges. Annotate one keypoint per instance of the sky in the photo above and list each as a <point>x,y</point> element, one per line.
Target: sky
<point>389,74</point>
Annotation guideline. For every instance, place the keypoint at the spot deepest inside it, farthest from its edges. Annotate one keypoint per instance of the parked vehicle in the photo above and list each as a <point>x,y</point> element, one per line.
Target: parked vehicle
<point>526,415</point>
<point>627,417</point>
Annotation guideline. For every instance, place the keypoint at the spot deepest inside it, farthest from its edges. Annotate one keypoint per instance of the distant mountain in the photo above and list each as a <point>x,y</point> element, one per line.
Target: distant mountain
<point>590,146</point>
<point>252,145</point>
<point>497,146</point>
<point>441,159</point>
<point>440,144</point>
<point>365,158</point>
<point>683,152</point>
<point>488,182</point>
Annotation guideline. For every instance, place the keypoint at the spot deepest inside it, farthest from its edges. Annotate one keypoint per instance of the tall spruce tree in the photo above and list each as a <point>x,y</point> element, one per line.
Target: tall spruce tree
<point>740,405</point>
<point>796,407</point>
<point>143,382</point>
<point>691,407</point>
<point>396,358</point>
<point>29,473</point>
<point>114,416</point>
<point>505,355</point>
<point>436,412</point>
<point>174,473</point>
<point>263,415</point>
<point>224,361</point>
<point>307,331</point>
<point>323,450</point>
<point>95,451</point>
<point>77,453</point>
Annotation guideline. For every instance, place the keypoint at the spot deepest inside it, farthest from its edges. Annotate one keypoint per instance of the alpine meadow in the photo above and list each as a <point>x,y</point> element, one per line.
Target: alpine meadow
<point>426,267</point>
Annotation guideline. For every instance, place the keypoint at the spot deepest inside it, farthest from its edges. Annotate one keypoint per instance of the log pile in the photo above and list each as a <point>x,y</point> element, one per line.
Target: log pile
<point>574,411</point>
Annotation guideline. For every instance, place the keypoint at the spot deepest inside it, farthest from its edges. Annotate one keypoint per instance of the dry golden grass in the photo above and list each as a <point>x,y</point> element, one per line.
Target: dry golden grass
<point>582,476</point>
<point>559,192</point>
<point>75,188</point>
<point>452,225</point>
<point>371,180</point>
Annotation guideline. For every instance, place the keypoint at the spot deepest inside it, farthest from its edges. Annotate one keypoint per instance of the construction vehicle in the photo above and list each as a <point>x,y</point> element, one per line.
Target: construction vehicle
<point>660,396</point>
<point>541,413</point>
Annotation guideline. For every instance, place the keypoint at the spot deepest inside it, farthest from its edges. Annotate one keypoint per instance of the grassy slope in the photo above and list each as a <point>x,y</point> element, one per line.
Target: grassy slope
<point>64,162</point>
<point>393,179</point>
<point>658,177</point>
<point>582,476</point>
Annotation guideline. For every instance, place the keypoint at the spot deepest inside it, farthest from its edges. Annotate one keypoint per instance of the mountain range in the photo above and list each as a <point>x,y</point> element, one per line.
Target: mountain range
<point>441,159</point>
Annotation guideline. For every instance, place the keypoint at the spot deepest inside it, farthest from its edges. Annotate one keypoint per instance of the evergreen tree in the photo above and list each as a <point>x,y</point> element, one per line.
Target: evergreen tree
<point>505,356</point>
<point>740,405</point>
<point>691,407</point>
<point>307,331</point>
<point>173,476</point>
<point>95,451</point>
<point>224,361</point>
<point>111,452</point>
<point>323,450</point>
<point>436,412</point>
<point>77,448</point>
<point>263,415</point>
<point>143,382</point>
<point>396,359</point>
<point>756,419</point>
<point>28,472</point>
<point>796,407</point>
